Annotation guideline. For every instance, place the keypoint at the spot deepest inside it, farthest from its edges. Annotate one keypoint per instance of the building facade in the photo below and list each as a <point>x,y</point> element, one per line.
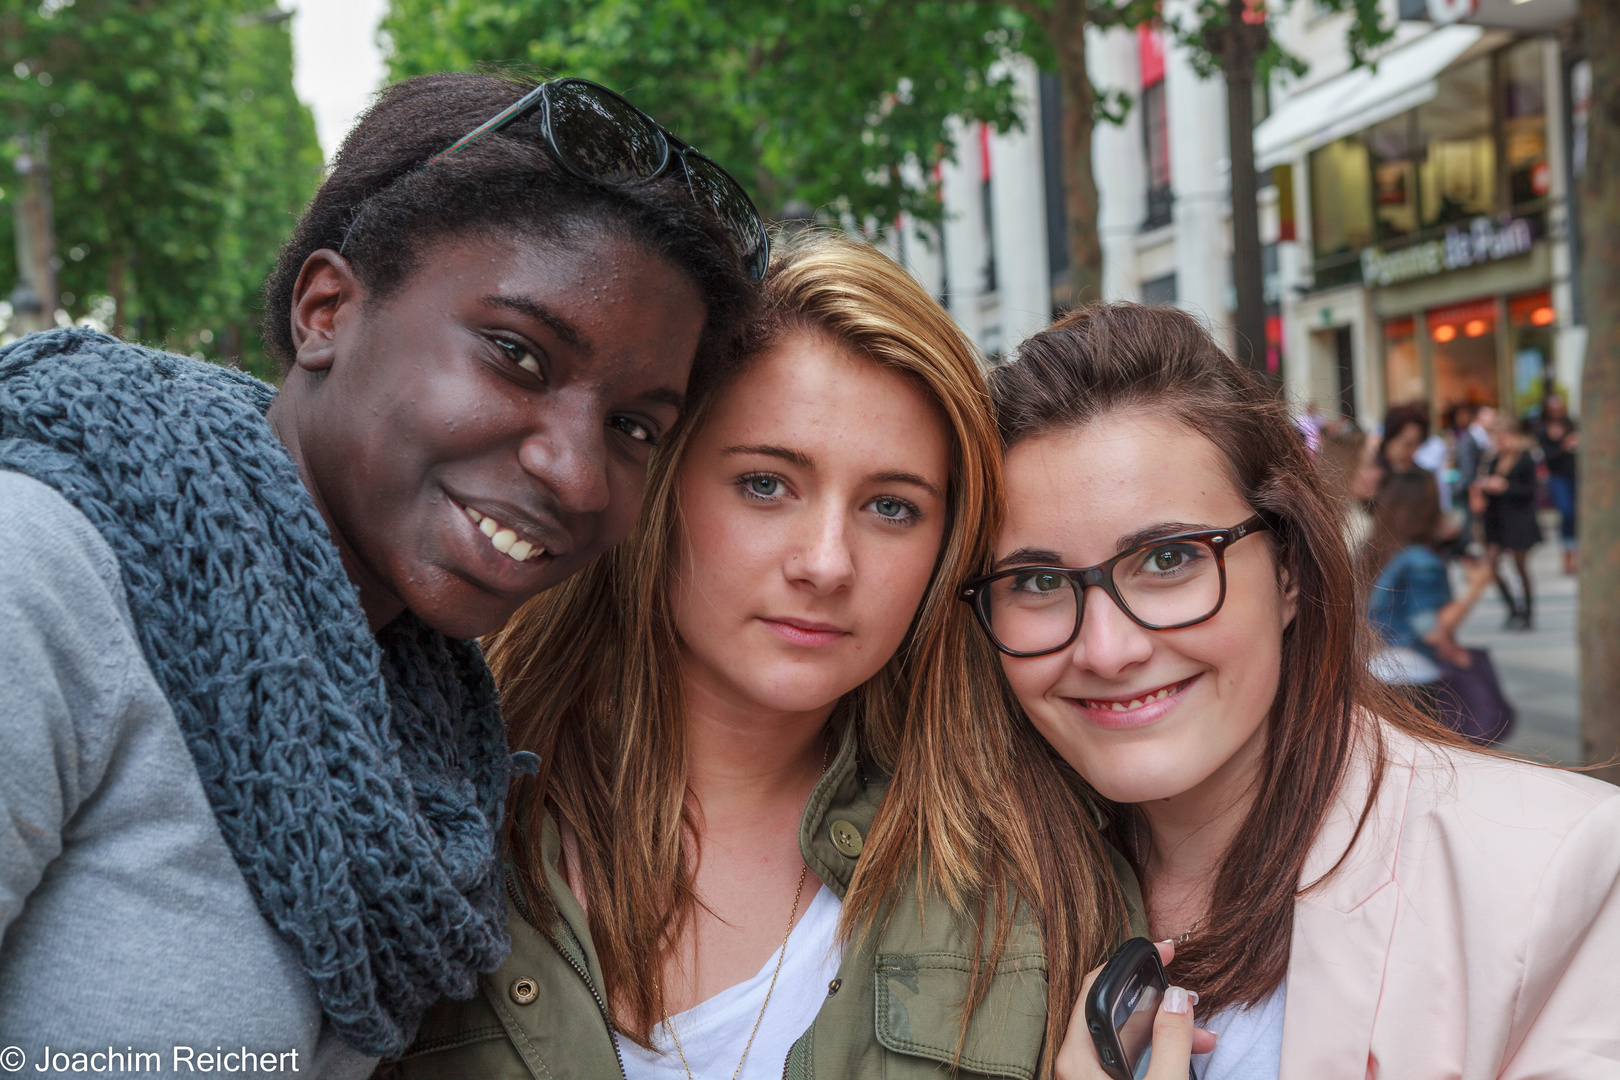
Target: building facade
<point>1416,215</point>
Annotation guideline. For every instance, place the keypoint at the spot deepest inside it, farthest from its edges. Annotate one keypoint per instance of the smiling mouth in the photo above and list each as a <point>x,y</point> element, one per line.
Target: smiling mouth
<point>1132,704</point>
<point>504,539</point>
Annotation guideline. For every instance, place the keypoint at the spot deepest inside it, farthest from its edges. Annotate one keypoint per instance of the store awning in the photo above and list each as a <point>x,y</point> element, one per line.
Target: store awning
<point>1404,79</point>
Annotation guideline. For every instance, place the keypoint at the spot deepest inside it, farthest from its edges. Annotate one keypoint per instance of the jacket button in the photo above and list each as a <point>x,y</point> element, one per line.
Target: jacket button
<point>846,838</point>
<point>832,987</point>
<point>525,990</point>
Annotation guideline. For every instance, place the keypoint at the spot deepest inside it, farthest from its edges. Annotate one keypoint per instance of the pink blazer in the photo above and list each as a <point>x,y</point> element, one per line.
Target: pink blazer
<point>1472,933</point>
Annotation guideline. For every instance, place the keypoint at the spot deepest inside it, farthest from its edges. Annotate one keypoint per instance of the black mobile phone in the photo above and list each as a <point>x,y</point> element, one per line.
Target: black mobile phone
<point>1122,1005</point>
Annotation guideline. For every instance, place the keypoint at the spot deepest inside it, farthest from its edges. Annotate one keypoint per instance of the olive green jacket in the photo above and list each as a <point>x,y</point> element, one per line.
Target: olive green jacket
<point>892,1012</point>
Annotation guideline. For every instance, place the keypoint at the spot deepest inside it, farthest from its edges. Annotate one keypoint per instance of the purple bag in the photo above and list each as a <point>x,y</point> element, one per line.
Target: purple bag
<point>1471,700</point>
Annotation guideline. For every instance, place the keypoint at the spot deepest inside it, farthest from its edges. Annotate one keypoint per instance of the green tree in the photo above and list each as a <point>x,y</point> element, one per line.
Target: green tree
<point>818,103</point>
<point>180,157</point>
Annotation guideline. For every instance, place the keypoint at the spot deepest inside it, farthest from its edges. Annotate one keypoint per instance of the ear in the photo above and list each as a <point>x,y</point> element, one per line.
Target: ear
<point>325,294</point>
<point>1290,595</point>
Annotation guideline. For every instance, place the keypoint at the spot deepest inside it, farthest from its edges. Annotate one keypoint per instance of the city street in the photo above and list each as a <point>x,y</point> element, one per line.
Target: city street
<point>1538,669</point>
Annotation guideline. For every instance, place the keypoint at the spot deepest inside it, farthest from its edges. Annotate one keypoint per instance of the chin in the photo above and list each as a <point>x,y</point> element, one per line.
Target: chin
<point>1136,774</point>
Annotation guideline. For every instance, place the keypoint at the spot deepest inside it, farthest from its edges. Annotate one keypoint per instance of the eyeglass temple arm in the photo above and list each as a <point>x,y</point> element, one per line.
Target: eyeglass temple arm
<point>525,104</point>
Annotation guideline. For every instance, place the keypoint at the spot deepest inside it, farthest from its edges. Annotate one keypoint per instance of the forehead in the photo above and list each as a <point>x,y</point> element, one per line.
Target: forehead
<point>813,388</point>
<point>1077,491</point>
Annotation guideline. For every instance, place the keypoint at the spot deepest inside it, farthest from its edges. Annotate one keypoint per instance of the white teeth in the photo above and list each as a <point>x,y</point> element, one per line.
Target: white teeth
<point>1134,703</point>
<point>503,539</point>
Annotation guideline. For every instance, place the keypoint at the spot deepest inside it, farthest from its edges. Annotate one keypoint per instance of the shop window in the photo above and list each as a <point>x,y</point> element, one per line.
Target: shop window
<point>1159,290</point>
<point>1531,320</point>
<point>1457,174</point>
<point>1465,362</point>
<point>1395,182</point>
<point>1403,372</point>
<point>1341,206</point>
<point>1524,122</point>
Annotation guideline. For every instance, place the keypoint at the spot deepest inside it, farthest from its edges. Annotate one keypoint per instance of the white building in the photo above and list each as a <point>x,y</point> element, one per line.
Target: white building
<point>1414,215</point>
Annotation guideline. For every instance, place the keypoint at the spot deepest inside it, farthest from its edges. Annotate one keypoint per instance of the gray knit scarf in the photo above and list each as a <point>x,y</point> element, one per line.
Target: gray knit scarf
<point>358,779</point>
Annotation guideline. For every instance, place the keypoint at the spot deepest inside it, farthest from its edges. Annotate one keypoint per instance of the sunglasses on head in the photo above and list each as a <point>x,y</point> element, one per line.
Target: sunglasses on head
<point>599,136</point>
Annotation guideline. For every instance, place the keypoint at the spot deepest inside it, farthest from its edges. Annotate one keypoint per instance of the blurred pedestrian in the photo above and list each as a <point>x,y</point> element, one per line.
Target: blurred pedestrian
<point>1351,475</point>
<point>1406,429</point>
<point>1506,499</point>
<point>1558,438</point>
<point>1467,452</point>
<point>1410,604</point>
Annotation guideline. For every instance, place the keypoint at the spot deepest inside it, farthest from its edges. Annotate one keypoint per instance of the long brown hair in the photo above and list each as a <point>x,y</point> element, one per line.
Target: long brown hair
<point>1114,357</point>
<point>979,809</point>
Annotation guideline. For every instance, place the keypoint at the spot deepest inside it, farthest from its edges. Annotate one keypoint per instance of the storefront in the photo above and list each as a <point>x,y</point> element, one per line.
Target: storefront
<point>1436,272</point>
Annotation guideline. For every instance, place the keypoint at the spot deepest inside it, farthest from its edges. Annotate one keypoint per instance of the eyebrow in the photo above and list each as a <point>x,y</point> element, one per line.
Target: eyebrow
<point>905,478</point>
<point>792,457</point>
<point>542,314</point>
<point>1042,557</point>
<point>805,461</point>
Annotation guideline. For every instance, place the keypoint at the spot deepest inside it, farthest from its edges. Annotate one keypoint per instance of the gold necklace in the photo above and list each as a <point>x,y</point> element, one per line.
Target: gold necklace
<point>780,956</point>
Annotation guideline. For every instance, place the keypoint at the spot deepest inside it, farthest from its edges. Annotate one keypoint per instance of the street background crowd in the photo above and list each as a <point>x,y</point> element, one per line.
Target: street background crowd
<point>1018,157</point>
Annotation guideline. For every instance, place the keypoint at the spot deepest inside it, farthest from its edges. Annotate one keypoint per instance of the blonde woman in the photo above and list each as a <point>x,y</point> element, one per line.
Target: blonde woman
<point>783,822</point>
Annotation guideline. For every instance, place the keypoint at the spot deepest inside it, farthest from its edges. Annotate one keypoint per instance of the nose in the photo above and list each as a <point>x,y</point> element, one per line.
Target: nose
<point>823,560</point>
<point>568,453</point>
<point>1110,642</point>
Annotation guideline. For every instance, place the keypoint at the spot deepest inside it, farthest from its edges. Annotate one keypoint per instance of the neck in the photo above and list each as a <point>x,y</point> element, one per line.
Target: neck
<point>286,417</point>
<point>745,760</point>
<point>1189,836</point>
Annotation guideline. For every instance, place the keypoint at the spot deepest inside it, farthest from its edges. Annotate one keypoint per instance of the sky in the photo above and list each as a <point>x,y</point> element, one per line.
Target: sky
<point>336,62</point>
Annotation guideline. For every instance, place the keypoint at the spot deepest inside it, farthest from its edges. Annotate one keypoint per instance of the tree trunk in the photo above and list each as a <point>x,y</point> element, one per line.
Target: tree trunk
<point>35,298</point>
<point>1066,27</point>
<point>1238,44</point>
<point>117,288</point>
<point>1600,398</point>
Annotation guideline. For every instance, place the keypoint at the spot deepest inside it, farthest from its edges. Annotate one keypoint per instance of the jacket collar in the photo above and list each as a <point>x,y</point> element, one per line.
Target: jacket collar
<point>1343,923</point>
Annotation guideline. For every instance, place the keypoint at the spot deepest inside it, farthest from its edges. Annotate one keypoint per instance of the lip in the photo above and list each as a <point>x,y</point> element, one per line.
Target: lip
<point>1151,713</point>
<point>489,567</point>
<point>807,632</point>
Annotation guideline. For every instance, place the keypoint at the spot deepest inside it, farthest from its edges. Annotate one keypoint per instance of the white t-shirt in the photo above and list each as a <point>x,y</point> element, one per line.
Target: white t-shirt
<point>1250,1047</point>
<point>713,1033</point>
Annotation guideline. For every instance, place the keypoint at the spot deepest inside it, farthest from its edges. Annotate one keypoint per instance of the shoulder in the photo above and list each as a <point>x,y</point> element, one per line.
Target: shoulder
<point>1468,815</point>
<point>51,548</point>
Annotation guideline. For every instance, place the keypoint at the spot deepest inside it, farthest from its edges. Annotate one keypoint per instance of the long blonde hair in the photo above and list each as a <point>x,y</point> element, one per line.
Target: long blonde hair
<point>979,808</point>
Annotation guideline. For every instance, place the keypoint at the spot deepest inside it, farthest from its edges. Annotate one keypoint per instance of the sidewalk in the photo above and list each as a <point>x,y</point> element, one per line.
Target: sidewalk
<point>1539,669</point>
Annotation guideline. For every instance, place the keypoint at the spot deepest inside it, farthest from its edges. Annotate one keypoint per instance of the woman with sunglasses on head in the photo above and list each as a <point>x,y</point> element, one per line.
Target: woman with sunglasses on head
<point>1353,891</point>
<point>254,773</point>
<point>763,720</point>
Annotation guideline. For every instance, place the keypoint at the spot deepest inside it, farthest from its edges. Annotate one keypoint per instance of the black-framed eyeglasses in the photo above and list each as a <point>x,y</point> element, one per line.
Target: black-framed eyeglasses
<point>1165,584</point>
<point>599,136</point>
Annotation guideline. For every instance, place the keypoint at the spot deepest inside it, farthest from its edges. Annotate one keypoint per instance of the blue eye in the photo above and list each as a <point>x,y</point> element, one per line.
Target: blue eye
<point>763,486</point>
<point>893,509</point>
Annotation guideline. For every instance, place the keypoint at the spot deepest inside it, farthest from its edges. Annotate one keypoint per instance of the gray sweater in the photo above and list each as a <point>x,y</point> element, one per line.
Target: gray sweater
<point>125,926</point>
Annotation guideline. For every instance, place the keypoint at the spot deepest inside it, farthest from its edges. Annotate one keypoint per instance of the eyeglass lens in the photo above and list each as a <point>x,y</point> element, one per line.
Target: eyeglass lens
<point>602,136</point>
<point>713,187</point>
<point>1161,585</point>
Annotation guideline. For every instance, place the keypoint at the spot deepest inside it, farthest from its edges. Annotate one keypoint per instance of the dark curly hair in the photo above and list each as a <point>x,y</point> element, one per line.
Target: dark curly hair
<point>384,209</point>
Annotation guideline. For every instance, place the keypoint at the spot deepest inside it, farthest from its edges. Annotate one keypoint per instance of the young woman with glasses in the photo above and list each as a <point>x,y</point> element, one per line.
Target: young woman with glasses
<point>784,823</point>
<point>1352,891</point>
<point>253,773</point>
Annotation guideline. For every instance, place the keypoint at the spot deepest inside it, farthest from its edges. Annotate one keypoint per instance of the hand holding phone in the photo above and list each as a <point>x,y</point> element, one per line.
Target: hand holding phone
<point>1126,1007</point>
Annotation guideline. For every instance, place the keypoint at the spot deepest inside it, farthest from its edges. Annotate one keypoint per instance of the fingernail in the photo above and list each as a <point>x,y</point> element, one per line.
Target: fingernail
<point>1192,995</point>
<point>1178,1001</point>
